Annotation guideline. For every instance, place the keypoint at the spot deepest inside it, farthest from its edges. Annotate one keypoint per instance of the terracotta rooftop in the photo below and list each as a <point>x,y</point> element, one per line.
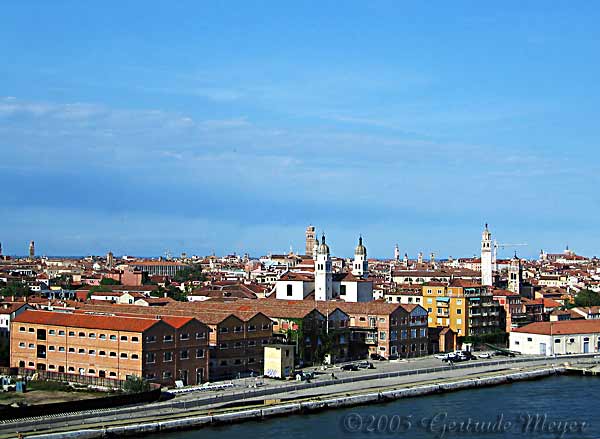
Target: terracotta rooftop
<point>79,320</point>
<point>560,328</point>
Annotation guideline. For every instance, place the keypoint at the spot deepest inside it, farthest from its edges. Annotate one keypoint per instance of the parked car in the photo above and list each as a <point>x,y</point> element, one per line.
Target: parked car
<point>458,356</point>
<point>485,355</point>
<point>303,376</point>
<point>468,355</point>
<point>377,357</point>
<point>440,356</point>
<point>350,367</point>
<point>366,365</point>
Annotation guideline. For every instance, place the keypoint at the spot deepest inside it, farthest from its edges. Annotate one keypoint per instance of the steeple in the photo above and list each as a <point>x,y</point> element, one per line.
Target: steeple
<point>323,248</point>
<point>360,266</point>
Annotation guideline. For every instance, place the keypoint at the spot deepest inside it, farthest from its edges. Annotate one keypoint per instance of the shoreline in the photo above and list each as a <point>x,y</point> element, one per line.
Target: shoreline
<point>301,407</point>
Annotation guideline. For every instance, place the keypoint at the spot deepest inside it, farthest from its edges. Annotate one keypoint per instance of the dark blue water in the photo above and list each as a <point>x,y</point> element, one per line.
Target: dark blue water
<point>556,407</point>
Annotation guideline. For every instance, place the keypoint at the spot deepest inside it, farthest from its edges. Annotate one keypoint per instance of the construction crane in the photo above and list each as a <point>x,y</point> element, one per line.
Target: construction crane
<point>503,246</point>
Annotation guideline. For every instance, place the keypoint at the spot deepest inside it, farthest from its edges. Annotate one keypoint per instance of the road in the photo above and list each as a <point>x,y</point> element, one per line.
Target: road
<point>386,375</point>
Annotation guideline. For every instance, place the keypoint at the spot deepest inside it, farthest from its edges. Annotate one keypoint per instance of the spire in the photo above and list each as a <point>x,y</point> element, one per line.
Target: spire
<point>323,248</point>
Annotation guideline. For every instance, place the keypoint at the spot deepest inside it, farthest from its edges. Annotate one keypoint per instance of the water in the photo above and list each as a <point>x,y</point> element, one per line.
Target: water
<point>501,412</point>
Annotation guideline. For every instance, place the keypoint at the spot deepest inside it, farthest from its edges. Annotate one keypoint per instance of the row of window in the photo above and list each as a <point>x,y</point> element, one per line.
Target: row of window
<point>394,321</point>
<point>234,362</point>
<point>167,374</point>
<point>413,348</point>
<point>81,334</point>
<point>82,351</point>
<point>123,338</point>
<point>414,333</point>
<point>169,337</point>
<point>168,356</point>
<point>458,301</point>
<point>251,328</point>
<point>558,340</point>
<point>239,345</point>
<point>70,369</point>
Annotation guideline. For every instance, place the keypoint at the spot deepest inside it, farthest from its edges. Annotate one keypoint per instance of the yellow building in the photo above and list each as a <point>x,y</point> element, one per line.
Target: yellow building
<point>279,360</point>
<point>464,307</point>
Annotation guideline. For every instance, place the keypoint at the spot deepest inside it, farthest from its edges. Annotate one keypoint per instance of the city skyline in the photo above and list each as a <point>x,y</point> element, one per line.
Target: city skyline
<point>504,250</point>
<point>230,129</point>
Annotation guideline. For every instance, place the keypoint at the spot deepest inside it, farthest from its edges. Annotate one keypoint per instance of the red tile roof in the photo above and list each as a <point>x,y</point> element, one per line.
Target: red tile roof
<point>90,321</point>
<point>560,328</point>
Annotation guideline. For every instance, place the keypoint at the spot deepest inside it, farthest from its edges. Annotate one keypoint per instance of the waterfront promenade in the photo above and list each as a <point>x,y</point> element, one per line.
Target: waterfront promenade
<point>390,375</point>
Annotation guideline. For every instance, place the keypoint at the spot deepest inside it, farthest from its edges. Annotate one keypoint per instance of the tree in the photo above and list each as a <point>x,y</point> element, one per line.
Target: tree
<point>109,281</point>
<point>63,281</point>
<point>135,384</point>
<point>192,273</point>
<point>172,291</point>
<point>587,298</point>
<point>17,289</point>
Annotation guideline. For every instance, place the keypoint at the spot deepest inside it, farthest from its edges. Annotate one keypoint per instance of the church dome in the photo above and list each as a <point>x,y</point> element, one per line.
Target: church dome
<point>323,248</point>
<point>360,249</point>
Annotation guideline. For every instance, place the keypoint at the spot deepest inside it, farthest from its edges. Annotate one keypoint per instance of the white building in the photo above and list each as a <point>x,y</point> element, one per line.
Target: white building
<point>294,286</point>
<point>323,273</point>
<point>557,338</point>
<point>324,283</point>
<point>486,257</point>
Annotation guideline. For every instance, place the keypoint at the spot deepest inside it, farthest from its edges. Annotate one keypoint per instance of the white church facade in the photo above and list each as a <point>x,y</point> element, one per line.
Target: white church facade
<point>324,284</point>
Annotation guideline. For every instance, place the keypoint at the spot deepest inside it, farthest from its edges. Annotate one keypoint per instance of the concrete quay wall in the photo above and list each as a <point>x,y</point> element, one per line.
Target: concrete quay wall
<point>299,407</point>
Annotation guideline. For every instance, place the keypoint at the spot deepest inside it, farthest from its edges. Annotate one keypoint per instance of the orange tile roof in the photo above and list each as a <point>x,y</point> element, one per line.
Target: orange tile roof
<point>560,328</point>
<point>79,320</point>
<point>176,321</point>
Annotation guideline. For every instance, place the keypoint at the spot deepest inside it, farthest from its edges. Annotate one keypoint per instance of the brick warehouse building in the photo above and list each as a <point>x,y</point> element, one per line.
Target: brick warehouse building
<point>111,346</point>
<point>236,338</point>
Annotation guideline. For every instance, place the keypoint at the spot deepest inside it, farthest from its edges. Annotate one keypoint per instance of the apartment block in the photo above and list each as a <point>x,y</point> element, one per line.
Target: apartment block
<point>111,346</point>
<point>465,307</point>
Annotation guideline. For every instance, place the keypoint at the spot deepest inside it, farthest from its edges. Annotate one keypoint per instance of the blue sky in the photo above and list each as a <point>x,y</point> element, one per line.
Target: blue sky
<point>138,127</point>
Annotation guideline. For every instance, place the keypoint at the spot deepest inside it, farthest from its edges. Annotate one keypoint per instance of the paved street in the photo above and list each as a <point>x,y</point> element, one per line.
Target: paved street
<point>188,404</point>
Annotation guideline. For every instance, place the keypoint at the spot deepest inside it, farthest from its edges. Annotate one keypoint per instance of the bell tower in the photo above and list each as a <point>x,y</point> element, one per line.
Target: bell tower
<point>360,266</point>
<point>323,273</point>
<point>310,240</point>
<point>486,257</point>
<point>515,275</point>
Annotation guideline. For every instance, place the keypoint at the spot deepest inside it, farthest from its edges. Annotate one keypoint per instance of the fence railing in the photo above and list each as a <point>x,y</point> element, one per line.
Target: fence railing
<point>64,377</point>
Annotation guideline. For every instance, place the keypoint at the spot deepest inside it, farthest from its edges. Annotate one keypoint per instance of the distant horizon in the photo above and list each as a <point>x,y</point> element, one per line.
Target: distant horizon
<point>426,258</point>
